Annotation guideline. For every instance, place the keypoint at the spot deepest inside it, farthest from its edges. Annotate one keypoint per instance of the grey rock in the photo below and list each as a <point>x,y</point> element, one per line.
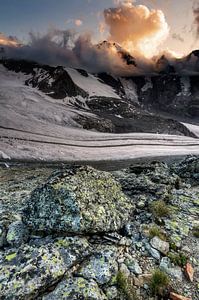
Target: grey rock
<point>160,245</point>
<point>2,236</point>
<point>165,264</point>
<point>153,252</point>
<point>17,234</point>
<point>78,200</point>
<point>6,218</point>
<point>101,267</point>
<point>175,272</point>
<point>124,269</point>
<point>26,273</point>
<point>140,204</point>
<point>133,266</point>
<point>111,293</point>
<point>76,288</point>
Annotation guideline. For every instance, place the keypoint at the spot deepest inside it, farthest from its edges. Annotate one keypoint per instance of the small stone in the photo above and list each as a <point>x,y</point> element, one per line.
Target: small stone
<point>146,287</point>
<point>141,204</point>
<point>186,249</point>
<point>124,270</point>
<point>143,279</point>
<point>174,296</point>
<point>166,266</point>
<point>176,273</point>
<point>17,234</point>
<point>125,242</point>
<point>153,252</point>
<point>133,266</point>
<point>189,271</point>
<point>101,267</point>
<point>160,245</point>
<point>137,282</point>
<point>2,237</point>
<point>111,293</point>
<point>121,260</point>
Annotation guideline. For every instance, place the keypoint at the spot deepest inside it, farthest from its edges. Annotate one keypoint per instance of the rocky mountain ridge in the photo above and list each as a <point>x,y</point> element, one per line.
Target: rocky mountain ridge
<point>133,104</point>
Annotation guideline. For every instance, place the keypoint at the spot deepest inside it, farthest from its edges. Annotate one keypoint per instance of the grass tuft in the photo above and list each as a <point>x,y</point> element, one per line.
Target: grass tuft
<point>159,282</point>
<point>179,259</point>
<point>196,231</point>
<point>160,209</point>
<point>126,287</point>
<point>156,231</point>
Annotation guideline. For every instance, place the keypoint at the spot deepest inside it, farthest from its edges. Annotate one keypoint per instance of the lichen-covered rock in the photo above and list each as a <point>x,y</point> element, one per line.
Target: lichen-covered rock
<point>76,288</point>
<point>174,271</point>
<point>147,181</point>
<point>17,234</point>
<point>6,218</point>
<point>78,200</point>
<point>188,168</point>
<point>102,266</point>
<point>29,271</point>
<point>160,245</point>
<point>133,266</point>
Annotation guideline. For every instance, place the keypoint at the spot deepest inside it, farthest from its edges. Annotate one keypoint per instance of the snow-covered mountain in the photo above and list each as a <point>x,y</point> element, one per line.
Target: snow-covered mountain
<point>45,110</point>
<point>99,101</point>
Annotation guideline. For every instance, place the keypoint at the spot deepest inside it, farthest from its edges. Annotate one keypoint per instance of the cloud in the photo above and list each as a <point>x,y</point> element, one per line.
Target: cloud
<point>78,22</point>
<point>136,27</point>
<point>102,27</point>
<point>8,41</point>
<point>196,18</point>
<point>177,37</point>
<point>134,34</point>
<point>67,48</point>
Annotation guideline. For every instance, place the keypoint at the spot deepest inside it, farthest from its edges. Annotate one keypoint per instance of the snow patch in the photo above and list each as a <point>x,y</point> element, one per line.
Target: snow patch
<point>148,85</point>
<point>130,89</point>
<point>92,85</point>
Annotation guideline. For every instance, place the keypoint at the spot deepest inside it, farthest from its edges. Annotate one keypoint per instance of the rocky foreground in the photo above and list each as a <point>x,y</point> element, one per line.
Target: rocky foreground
<point>80,233</point>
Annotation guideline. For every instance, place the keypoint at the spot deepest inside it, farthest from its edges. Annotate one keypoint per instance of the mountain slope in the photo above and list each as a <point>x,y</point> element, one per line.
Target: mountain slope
<point>35,126</point>
<point>98,102</point>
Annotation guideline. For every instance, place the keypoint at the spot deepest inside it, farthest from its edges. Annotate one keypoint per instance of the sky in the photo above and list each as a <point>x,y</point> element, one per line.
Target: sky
<point>19,17</point>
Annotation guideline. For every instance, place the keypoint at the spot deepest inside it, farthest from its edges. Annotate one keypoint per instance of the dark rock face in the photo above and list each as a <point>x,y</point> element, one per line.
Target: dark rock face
<point>169,93</point>
<point>57,83</point>
<point>54,81</point>
<point>79,200</point>
<point>189,169</point>
<point>152,181</point>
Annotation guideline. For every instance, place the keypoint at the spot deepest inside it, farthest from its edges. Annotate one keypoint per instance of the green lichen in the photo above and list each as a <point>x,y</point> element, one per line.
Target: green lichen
<point>11,256</point>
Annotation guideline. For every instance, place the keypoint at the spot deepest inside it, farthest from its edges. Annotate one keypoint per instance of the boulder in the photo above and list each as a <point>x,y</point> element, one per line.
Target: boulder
<point>101,267</point>
<point>173,271</point>
<point>6,219</point>
<point>28,272</point>
<point>78,200</point>
<point>160,245</point>
<point>133,266</point>
<point>74,288</point>
<point>17,234</point>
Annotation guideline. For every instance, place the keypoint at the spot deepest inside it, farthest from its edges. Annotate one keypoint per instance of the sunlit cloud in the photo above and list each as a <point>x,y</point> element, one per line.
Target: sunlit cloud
<point>136,27</point>
<point>78,22</point>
